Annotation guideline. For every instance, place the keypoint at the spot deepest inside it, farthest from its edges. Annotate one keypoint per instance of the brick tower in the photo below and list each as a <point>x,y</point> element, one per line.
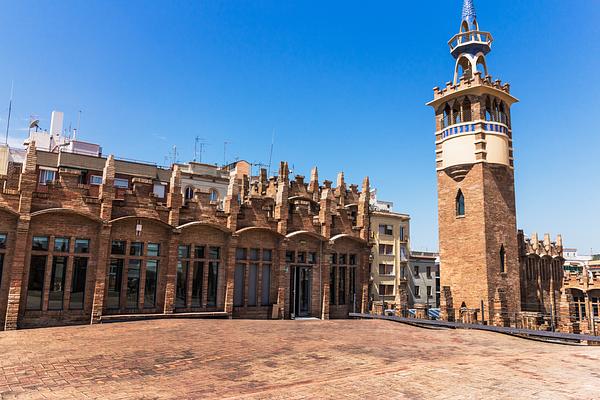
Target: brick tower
<point>476,193</point>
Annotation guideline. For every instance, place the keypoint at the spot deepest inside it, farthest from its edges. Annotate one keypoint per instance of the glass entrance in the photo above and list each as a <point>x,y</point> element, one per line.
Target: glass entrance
<point>302,286</point>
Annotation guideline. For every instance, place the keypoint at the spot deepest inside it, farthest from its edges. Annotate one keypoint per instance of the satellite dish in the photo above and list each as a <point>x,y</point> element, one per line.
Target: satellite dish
<point>35,123</point>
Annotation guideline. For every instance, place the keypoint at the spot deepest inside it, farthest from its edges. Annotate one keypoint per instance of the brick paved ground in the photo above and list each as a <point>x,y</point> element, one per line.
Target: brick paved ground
<point>287,359</point>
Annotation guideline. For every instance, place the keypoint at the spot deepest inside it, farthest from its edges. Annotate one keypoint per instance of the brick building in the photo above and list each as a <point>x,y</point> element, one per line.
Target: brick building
<point>85,237</point>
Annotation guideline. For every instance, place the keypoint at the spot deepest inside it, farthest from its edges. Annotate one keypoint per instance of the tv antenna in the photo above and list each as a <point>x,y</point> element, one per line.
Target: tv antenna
<point>271,151</point>
<point>199,144</point>
<point>225,143</point>
<point>12,85</point>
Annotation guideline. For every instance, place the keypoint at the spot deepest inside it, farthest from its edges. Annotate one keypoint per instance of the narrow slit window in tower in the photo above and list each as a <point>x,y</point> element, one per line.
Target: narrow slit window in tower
<point>460,204</point>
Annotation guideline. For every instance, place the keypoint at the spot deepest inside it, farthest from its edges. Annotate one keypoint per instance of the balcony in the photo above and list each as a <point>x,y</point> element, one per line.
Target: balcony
<point>472,42</point>
<point>471,127</point>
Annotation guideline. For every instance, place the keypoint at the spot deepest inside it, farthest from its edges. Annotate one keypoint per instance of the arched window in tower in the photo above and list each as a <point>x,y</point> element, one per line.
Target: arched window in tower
<point>481,66</point>
<point>502,114</point>
<point>213,196</point>
<point>460,204</point>
<point>456,115</point>
<point>463,68</point>
<point>488,109</point>
<point>502,259</point>
<point>189,193</point>
<point>466,110</point>
<point>496,111</point>
<point>446,118</point>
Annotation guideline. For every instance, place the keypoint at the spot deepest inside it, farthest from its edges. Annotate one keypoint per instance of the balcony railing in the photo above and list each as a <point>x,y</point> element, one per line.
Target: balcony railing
<point>471,37</point>
<point>468,127</point>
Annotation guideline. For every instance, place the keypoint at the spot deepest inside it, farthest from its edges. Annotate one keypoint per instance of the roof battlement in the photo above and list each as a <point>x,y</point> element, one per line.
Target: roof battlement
<point>466,83</point>
<point>546,247</point>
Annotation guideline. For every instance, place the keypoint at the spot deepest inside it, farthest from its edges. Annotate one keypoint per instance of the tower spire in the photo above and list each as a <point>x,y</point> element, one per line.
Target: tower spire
<point>468,13</point>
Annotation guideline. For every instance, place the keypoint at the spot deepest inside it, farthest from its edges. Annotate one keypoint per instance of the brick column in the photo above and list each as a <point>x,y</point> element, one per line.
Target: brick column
<point>101,266</point>
<point>567,323</point>
<point>365,275</point>
<point>283,281</point>
<point>230,274</point>
<point>171,275</point>
<point>16,274</point>
<point>325,269</point>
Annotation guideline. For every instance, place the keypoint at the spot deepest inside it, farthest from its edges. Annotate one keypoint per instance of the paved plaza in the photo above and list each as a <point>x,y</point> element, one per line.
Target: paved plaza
<point>358,359</point>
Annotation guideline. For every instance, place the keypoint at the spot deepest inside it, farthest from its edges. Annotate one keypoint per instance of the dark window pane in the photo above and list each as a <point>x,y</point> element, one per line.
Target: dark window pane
<point>153,249</point>
<point>197,277</point>
<point>133,283</point>
<point>36,282</point>
<point>241,253</point>
<point>2,240</point>
<point>265,285</point>
<point>151,280</point>
<point>213,278</point>
<point>289,256</point>
<point>342,288</point>
<point>82,246</point>
<point>78,283</point>
<point>61,245</point>
<point>57,283</point>
<point>267,255</point>
<point>200,252</point>
<point>115,277</point>
<point>181,291</point>
<point>183,251</point>
<point>333,258</point>
<point>342,259</point>
<point>332,285</point>
<point>40,243</point>
<point>118,247</point>
<point>254,254</point>
<point>301,258</point>
<point>252,280</point>
<point>136,249</point>
<point>352,260</point>
<point>238,285</point>
<point>311,258</point>
<point>1,267</point>
<point>214,253</point>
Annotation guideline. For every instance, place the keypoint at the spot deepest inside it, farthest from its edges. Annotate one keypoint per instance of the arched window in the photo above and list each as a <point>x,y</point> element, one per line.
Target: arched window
<point>189,193</point>
<point>446,118</point>
<point>488,110</point>
<point>460,204</point>
<point>456,116</point>
<point>466,110</point>
<point>502,259</point>
<point>502,114</point>
<point>214,196</point>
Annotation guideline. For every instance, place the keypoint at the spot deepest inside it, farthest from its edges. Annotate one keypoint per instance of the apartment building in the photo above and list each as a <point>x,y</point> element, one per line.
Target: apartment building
<point>390,255</point>
<point>423,283</point>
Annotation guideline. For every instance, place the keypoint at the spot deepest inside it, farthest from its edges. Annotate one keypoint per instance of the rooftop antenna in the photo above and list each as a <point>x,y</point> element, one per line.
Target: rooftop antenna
<point>12,85</point>
<point>174,155</point>
<point>78,120</point>
<point>199,142</point>
<point>225,143</point>
<point>271,151</point>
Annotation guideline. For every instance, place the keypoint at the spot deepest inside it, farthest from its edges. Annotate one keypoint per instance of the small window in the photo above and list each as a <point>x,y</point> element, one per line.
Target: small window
<point>289,256</point>
<point>159,190</point>
<point>40,243</point>
<point>416,271</point>
<point>342,259</point>
<point>429,291</point>
<point>214,196</point>
<point>417,291</point>
<point>241,253</point>
<point>214,253</point>
<point>153,249</point>
<point>301,258</point>
<point>333,258</point>
<point>460,204</point>
<point>352,259</point>
<point>254,254</point>
<point>267,255</point>
<point>189,193</point>
<point>121,183</point>
<point>46,176</point>
<point>311,258</point>
<point>82,246</point>
<point>199,251</point>
<point>61,245</point>
<point>136,249</point>
<point>95,180</point>
<point>386,229</point>
<point>183,251</point>
<point>118,247</point>
<point>2,240</point>
<point>429,272</point>
<point>502,259</point>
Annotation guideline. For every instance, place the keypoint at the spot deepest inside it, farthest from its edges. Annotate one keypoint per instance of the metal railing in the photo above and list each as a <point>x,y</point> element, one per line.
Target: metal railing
<point>479,37</point>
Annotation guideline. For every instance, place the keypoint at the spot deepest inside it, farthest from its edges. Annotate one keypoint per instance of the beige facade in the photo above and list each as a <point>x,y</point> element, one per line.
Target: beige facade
<point>390,254</point>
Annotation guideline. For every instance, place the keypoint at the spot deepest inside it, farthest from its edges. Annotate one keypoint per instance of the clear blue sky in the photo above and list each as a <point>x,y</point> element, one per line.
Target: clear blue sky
<point>343,84</point>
